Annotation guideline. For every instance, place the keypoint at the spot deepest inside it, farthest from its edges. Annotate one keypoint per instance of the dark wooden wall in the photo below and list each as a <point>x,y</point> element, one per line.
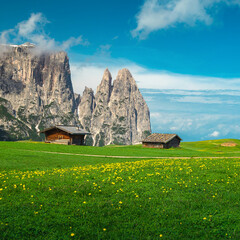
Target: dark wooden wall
<point>78,139</point>
<point>153,145</point>
<point>175,142</point>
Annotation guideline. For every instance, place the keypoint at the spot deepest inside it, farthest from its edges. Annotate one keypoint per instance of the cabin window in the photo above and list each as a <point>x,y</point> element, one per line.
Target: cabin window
<point>60,136</point>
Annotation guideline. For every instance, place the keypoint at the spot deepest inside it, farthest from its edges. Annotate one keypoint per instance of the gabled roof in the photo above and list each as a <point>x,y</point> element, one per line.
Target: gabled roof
<point>160,138</point>
<point>74,130</point>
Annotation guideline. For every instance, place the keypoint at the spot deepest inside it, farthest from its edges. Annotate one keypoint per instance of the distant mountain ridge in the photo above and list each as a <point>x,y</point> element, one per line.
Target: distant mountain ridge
<point>36,92</point>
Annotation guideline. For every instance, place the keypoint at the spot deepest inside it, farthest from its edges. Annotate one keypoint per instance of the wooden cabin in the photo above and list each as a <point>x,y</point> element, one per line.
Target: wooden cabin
<point>160,140</point>
<point>69,135</point>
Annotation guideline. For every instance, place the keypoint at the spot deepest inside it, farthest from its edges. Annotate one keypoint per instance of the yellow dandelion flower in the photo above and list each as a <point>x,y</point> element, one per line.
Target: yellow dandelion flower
<point>204,218</point>
<point>72,234</point>
<point>160,235</point>
<point>104,229</point>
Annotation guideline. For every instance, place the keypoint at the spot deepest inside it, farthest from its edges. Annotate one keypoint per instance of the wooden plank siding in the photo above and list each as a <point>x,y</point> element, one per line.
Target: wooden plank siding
<point>153,145</point>
<point>56,134</point>
<point>68,135</point>
<point>175,142</point>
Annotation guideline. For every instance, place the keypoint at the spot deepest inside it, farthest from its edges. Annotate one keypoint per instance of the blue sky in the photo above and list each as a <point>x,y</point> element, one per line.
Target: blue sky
<point>187,45</point>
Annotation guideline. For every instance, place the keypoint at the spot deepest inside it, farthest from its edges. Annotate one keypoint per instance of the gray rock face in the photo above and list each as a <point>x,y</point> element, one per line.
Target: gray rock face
<point>119,114</point>
<point>12,128</point>
<point>38,86</point>
<point>36,92</point>
<point>85,108</point>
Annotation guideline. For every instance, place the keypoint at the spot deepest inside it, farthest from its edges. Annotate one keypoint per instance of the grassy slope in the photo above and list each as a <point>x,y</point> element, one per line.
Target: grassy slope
<point>31,160</point>
<point>203,148</point>
<point>48,196</point>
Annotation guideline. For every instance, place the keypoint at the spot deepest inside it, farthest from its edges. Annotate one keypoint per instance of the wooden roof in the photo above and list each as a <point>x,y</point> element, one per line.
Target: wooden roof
<point>160,138</point>
<point>74,130</point>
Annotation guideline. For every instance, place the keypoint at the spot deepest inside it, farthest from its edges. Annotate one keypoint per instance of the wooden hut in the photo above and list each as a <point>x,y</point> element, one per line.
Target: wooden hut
<point>69,135</point>
<point>160,140</point>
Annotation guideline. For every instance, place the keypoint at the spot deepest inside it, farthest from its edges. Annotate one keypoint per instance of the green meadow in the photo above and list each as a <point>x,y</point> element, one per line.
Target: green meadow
<point>77,192</point>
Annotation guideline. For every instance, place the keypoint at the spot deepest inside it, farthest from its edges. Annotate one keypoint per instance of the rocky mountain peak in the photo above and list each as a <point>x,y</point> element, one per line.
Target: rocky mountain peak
<point>36,92</point>
<point>104,88</point>
<point>107,75</point>
<point>119,114</point>
<point>124,75</point>
<point>38,86</point>
<point>124,85</point>
<point>106,80</point>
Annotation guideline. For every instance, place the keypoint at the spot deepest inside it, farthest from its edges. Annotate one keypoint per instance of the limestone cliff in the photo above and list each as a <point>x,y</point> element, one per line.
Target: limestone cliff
<point>36,92</point>
<point>38,87</point>
<point>119,114</point>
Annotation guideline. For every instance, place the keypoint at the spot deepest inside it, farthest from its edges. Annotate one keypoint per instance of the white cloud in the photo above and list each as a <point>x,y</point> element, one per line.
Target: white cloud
<point>202,99</point>
<point>32,30</point>
<point>182,122</point>
<point>5,36</point>
<point>214,134</point>
<point>192,126</point>
<point>184,92</point>
<point>72,41</point>
<point>168,80</point>
<point>89,73</point>
<point>4,39</point>
<point>188,126</point>
<point>158,14</point>
<point>194,122</point>
<point>27,27</point>
<point>82,76</point>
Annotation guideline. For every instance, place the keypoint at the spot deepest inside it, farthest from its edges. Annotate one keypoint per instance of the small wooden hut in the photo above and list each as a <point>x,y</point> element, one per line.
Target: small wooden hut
<point>68,135</point>
<point>161,140</point>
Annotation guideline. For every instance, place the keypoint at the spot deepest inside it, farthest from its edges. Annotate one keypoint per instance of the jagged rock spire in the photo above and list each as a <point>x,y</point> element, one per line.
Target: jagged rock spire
<point>124,74</point>
<point>104,88</point>
<point>86,107</point>
<point>120,116</point>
